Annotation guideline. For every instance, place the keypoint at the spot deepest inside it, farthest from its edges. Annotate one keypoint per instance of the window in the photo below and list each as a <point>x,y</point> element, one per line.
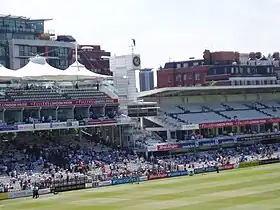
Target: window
<point>178,65</point>
<point>34,50</point>
<point>186,65</point>
<point>190,75</point>
<point>195,64</point>
<point>21,50</point>
<point>248,70</point>
<point>23,62</point>
<point>3,62</point>
<point>185,77</point>
<point>179,78</point>
<point>2,51</point>
<point>197,76</point>
<point>62,63</point>
<point>241,70</point>
<point>169,80</point>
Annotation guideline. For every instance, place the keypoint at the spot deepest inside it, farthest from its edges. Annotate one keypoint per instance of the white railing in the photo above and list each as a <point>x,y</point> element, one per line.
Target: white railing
<point>110,91</point>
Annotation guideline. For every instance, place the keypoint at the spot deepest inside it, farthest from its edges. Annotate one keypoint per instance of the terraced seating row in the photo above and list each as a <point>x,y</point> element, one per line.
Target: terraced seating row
<point>42,94</point>
<point>215,112</point>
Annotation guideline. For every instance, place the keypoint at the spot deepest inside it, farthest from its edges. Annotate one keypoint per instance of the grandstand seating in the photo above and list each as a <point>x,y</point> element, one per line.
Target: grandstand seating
<point>83,94</point>
<point>215,112</point>
<point>33,94</point>
<point>42,94</point>
<point>201,117</point>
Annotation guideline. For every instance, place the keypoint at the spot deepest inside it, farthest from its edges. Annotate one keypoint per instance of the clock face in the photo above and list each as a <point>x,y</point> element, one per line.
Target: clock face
<point>136,61</point>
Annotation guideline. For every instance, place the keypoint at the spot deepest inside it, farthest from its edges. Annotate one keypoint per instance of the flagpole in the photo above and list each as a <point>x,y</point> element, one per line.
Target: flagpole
<point>76,52</point>
<point>132,49</point>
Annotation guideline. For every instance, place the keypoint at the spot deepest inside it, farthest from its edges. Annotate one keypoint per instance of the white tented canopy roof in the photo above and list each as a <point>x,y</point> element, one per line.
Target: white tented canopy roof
<point>38,69</point>
<point>6,74</point>
<point>78,71</point>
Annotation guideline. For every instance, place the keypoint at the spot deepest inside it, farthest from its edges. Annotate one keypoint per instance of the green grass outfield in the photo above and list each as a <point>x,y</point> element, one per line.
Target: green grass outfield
<point>256,188</point>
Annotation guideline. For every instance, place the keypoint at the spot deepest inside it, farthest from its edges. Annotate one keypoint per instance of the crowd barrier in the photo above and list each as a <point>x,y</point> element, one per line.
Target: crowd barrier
<point>270,161</point>
<point>70,187</point>
<point>3,196</point>
<point>249,164</point>
<point>214,141</point>
<point>26,193</point>
<point>105,183</point>
<point>122,181</point>
<point>205,170</point>
<point>157,176</point>
<point>125,180</point>
<point>95,184</point>
<point>227,167</point>
<point>178,173</point>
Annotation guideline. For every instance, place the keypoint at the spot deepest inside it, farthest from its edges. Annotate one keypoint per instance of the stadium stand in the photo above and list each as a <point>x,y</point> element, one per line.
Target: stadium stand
<point>52,93</point>
<point>91,150</point>
<point>215,112</point>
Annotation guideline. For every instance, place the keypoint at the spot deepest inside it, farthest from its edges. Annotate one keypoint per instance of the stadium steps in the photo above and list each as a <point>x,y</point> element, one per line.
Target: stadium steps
<point>9,97</point>
<point>265,113</point>
<point>158,136</point>
<point>217,112</point>
<point>181,108</point>
<point>259,110</point>
<point>264,105</point>
<point>108,91</point>
<point>157,120</point>
<point>270,115</point>
<point>227,106</point>
<point>175,116</point>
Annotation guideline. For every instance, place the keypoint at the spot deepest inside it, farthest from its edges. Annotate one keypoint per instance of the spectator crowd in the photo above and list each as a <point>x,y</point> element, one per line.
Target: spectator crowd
<point>46,159</point>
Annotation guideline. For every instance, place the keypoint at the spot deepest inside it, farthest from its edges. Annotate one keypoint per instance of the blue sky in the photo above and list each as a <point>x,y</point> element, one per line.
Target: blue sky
<point>164,29</point>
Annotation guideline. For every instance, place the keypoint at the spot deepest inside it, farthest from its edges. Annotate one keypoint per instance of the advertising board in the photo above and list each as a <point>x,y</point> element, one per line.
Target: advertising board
<point>70,187</point>
<point>124,180</point>
<point>204,170</point>
<point>157,176</point>
<point>178,173</point>
<point>143,178</point>
<point>44,191</point>
<point>58,124</point>
<point>26,193</point>
<point>105,183</point>
<point>269,161</point>
<point>3,196</point>
<point>88,185</point>
<point>42,126</point>
<point>190,127</point>
<point>249,164</point>
<point>19,194</point>
<point>166,147</point>
<point>24,127</point>
<point>227,167</point>
<point>18,104</point>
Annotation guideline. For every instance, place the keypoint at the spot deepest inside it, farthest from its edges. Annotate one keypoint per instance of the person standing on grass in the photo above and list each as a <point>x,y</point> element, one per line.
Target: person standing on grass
<point>217,168</point>
<point>35,192</point>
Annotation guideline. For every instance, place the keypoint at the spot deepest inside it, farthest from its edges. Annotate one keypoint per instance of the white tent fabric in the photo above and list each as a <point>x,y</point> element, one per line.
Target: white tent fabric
<point>38,69</point>
<point>6,74</point>
<point>78,71</point>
